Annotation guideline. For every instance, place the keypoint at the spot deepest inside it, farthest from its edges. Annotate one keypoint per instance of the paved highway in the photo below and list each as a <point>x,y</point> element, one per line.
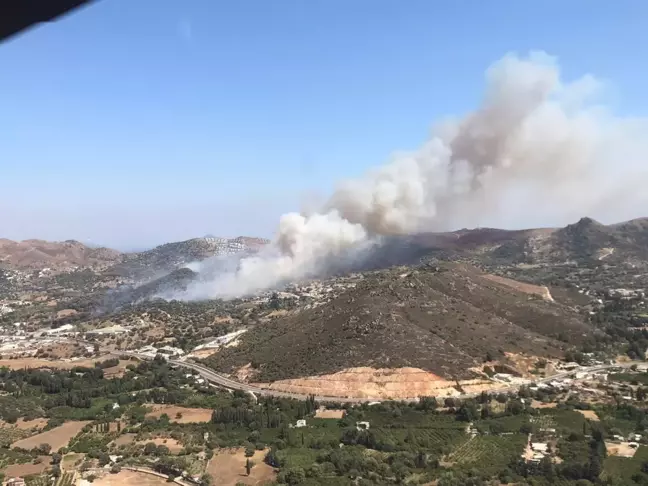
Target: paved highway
<point>219,379</point>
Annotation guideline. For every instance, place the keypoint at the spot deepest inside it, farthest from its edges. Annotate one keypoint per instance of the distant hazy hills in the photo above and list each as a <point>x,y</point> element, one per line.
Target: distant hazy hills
<point>583,242</point>
<point>38,254</point>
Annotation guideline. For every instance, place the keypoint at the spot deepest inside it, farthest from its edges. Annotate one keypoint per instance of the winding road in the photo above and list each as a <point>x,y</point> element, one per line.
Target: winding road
<point>221,380</point>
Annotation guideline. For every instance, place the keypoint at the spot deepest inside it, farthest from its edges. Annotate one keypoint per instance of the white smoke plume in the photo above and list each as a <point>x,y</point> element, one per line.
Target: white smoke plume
<point>537,147</point>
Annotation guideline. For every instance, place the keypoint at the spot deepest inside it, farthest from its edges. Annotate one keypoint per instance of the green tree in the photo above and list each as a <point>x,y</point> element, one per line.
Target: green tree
<point>295,475</point>
<point>150,448</point>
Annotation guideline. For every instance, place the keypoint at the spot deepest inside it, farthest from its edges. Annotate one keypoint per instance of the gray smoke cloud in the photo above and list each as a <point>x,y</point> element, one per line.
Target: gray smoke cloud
<point>537,146</point>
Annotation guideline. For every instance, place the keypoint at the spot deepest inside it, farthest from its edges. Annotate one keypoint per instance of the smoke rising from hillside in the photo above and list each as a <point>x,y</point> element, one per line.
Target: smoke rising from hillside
<point>536,145</point>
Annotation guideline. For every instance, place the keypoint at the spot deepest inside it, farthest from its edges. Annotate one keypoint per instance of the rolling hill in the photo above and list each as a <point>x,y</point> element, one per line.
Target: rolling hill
<point>444,319</point>
<point>39,254</point>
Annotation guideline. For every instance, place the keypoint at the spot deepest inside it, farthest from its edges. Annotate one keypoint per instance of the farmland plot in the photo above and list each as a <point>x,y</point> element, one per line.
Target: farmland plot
<point>489,452</point>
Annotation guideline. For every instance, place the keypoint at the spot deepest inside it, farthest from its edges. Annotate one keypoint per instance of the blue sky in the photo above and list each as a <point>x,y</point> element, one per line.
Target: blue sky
<point>131,123</point>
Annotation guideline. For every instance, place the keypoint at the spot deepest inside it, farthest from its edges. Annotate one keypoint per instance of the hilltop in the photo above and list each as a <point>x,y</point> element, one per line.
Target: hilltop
<point>71,254</point>
<point>39,254</point>
<point>444,319</point>
<point>167,257</point>
<point>586,241</point>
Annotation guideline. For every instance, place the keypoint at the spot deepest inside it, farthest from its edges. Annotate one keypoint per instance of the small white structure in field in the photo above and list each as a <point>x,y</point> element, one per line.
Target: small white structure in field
<point>539,447</point>
<point>362,425</point>
<point>300,423</point>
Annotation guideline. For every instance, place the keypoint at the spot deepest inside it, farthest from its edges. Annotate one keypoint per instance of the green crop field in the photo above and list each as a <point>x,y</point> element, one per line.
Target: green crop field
<point>66,479</point>
<point>434,440</point>
<point>566,421</point>
<point>500,425</point>
<point>297,457</point>
<point>489,452</point>
<point>624,467</point>
<point>413,418</point>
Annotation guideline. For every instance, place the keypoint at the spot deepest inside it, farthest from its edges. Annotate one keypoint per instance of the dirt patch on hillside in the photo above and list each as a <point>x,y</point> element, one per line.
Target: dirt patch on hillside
<point>119,370</point>
<point>187,415</point>
<point>398,383</point>
<point>66,313</point>
<point>540,291</point>
<point>537,404</point>
<point>23,424</point>
<point>130,478</point>
<point>57,437</point>
<point>589,414</point>
<point>202,353</point>
<point>227,468</point>
<point>20,470</point>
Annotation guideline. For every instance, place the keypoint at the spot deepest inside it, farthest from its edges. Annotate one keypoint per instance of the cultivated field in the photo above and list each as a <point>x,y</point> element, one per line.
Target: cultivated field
<point>56,438</point>
<point>24,425</point>
<point>124,439</point>
<point>130,478</point>
<point>489,452</point>
<point>329,414</point>
<point>21,470</point>
<point>589,414</point>
<point>622,449</point>
<point>181,415</point>
<point>71,461</point>
<point>227,468</point>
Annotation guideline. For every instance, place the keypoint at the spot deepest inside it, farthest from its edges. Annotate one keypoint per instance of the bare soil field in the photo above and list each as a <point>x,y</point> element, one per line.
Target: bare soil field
<point>589,414</point>
<point>540,291</point>
<point>202,353</point>
<point>537,404</point>
<point>19,470</point>
<point>124,439</point>
<point>23,424</point>
<point>227,468</point>
<point>188,415</point>
<point>130,478</point>
<point>329,414</point>
<point>56,438</point>
<point>622,450</point>
<point>396,383</point>
<point>173,445</point>
<point>119,370</point>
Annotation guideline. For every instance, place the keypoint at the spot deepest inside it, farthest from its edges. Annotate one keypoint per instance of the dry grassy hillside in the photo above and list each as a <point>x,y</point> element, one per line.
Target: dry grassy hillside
<point>444,320</point>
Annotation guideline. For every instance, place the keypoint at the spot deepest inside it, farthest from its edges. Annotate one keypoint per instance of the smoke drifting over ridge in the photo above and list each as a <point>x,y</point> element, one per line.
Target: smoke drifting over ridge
<point>535,145</point>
